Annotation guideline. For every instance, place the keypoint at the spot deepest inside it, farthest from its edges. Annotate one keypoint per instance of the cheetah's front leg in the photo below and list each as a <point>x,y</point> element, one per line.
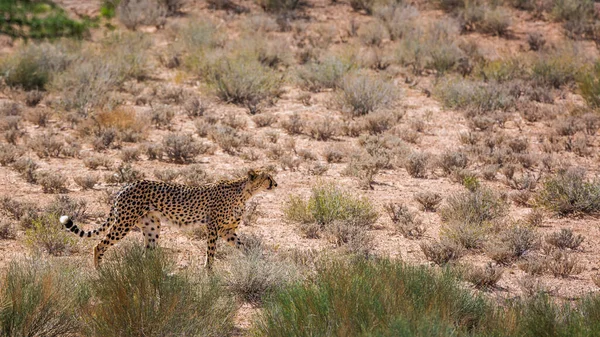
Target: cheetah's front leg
<point>211,243</point>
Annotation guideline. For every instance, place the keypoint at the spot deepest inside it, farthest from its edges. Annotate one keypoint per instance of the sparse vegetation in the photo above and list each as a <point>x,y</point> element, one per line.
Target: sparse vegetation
<point>568,193</point>
<point>361,94</point>
<point>564,239</point>
<point>405,221</point>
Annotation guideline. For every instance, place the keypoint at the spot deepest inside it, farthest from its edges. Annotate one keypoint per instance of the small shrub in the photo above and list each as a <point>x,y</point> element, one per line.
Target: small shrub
<point>535,265</point>
<point>244,82</point>
<point>27,168</point>
<point>442,252</point>
<point>328,73</point>
<point>279,5</point>
<point>564,239</point>
<point>328,204</point>
<point>512,244</point>
<point>405,221</point>
<point>228,138</point>
<point>51,182</point>
<point>39,299</point>
<point>255,276</point>
<point>134,13</point>
<point>473,96</point>
<point>124,174</point>
<point>9,154</point>
<point>48,235</point>
<point>429,201</point>
<point>452,161</point>
<point>160,301</point>
<point>294,125</point>
<point>536,41</point>
<point>39,116</point>
<point>7,231</point>
<point>32,67</point>
<point>589,86</point>
<point>416,164</point>
<point>181,148</point>
<point>563,265</point>
<point>569,193</point>
<point>361,94</point>
<point>323,129</point>
<point>556,69</point>
<point>264,120</point>
<point>86,182</point>
<point>95,161</point>
<point>484,278</point>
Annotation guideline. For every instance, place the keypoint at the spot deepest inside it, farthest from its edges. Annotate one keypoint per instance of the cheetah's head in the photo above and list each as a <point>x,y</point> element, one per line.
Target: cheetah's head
<point>260,180</point>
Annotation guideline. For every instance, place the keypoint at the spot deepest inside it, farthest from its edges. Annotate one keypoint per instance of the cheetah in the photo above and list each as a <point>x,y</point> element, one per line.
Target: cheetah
<point>144,203</point>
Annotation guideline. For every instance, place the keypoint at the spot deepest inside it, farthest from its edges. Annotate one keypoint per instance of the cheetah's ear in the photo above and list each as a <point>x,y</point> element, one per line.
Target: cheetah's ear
<point>252,174</point>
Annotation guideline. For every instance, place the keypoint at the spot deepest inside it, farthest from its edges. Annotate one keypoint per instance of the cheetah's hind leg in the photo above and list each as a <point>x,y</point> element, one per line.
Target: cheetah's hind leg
<point>150,226</point>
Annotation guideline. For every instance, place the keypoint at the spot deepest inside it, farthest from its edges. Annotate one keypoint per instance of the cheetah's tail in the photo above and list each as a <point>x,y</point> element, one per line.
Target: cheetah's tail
<point>68,223</point>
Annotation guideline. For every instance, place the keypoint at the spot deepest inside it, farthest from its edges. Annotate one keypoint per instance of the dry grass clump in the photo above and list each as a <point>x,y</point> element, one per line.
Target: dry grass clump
<point>589,85</point>
<point>557,68</point>
<point>568,193</point>
<point>428,201</point>
<point>9,153</point>
<point>245,82</point>
<point>360,94</point>
<point>476,97</point>
<point>405,221</point>
<point>46,145</point>
<point>167,175</point>
<point>486,19</point>
<point>39,299</point>
<point>326,73</point>
<point>484,278</point>
<point>33,66</point>
<point>160,300</point>
<point>327,205</point>
<point>294,124</point>
<point>124,174</point>
<point>323,129</point>
<point>87,181</point>
<point>135,13</point>
<point>95,161</point>
<point>417,164</point>
<point>563,264</point>
<point>452,161</point>
<point>564,239</point>
<point>7,230</point>
<point>27,168</point>
<point>441,252</point>
<point>22,212</point>
<point>51,182</point>
<point>255,275</point>
<point>512,243</point>
<point>228,138</point>
<point>534,265</point>
<point>264,120</point>
<point>182,148</point>
<point>469,216</point>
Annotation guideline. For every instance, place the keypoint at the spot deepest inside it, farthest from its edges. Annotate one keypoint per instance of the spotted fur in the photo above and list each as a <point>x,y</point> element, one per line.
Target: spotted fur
<point>219,206</point>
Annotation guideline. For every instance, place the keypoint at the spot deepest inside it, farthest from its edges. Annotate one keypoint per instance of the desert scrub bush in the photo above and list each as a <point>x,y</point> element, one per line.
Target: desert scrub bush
<point>557,68</point>
<point>405,221</point>
<point>563,264</point>
<point>48,235</point>
<point>564,239</point>
<point>156,298</point>
<point>95,161</point>
<point>417,164</point>
<point>484,278</point>
<point>245,82</point>
<point>7,230</point>
<point>569,193</point>
<point>399,19</point>
<point>328,203</point>
<point>474,96</point>
<point>124,174</point>
<point>441,252</point>
<point>38,299</point>
<point>428,201</point>
<point>326,73</point>
<point>134,13</point>
<point>27,167</point>
<point>9,153</point>
<point>450,161</point>
<point>469,216</point>
<point>51,182</point>
<point>360,94</point>
<point>86,182</point>
<point>279,5</point>
<point>294,124</point>
<point>484,18</point>
<point>125,51</point>
<point>33,66</point>
<point>512,244</point>
<point>181,148</point>
<point>360,296</point>
<point>589,85</point>
<point>254,276</point>
<point>228,138</point>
